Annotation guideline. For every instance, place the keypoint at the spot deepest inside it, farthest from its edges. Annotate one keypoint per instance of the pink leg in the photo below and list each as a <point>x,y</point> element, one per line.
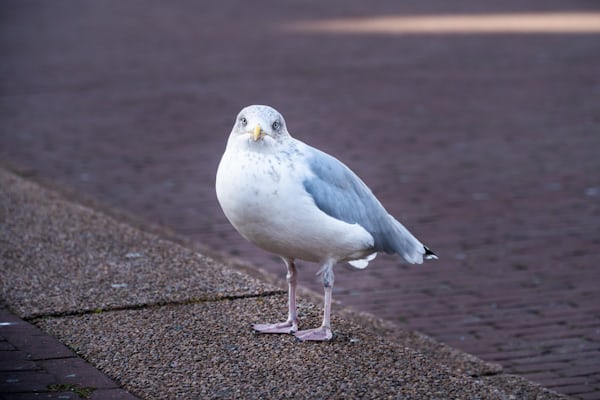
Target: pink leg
<point>291,324</point>
<point>324,331</point>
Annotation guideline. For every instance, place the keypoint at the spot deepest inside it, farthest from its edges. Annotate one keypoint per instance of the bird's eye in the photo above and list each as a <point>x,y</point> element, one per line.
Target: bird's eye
<point>244,121</point>
<point>276,125</point>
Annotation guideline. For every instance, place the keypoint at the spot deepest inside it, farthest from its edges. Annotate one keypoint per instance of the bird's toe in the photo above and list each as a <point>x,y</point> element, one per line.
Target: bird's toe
<point>282,327</point>
<point>318,334</point>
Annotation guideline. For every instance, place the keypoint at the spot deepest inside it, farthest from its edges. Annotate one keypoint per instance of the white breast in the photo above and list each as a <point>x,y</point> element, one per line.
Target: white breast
<point>262,195</point>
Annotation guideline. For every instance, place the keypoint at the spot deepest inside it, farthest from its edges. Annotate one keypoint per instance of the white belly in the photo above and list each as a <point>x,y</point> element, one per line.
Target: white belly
<point>264,199</point>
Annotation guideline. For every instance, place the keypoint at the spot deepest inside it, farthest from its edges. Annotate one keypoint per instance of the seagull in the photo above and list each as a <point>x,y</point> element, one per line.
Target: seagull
<point>299,203</point>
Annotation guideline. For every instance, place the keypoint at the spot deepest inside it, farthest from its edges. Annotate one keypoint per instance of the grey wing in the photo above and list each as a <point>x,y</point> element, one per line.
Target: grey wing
<point>339,193</point>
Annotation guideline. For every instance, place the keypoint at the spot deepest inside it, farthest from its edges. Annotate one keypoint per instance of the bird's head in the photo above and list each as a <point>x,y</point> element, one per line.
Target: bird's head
<point>260,123</point>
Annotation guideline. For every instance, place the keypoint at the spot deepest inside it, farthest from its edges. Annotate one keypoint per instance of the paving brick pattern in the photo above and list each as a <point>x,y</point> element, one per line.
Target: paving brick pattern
<point>485,146</point>
<point>35,365</point>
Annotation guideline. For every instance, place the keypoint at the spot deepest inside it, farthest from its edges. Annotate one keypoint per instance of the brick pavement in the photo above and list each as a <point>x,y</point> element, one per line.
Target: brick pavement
<point>35,365</point>
<point>485,146</point>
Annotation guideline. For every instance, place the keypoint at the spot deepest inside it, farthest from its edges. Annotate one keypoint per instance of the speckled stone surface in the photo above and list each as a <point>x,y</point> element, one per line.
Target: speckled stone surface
<point>165,322</point>
<point>61,257</point>
<point>208,350</point>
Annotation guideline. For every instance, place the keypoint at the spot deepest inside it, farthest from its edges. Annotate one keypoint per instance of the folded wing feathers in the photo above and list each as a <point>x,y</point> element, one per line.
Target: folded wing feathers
<point>338,192</point>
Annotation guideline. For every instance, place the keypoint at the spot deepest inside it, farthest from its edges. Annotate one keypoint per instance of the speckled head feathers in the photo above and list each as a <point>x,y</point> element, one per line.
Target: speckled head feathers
<point>269,119</point>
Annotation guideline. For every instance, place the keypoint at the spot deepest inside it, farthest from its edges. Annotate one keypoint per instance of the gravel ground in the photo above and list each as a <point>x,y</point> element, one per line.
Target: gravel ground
<point>208,350</point>
<point>60,257</point>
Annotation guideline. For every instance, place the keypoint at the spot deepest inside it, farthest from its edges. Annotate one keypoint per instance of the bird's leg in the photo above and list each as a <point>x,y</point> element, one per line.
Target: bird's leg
<point>291,324</point>
<point>324,331</point>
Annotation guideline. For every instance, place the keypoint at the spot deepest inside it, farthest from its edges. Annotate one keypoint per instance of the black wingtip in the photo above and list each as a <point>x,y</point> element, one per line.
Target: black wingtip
<point>429,255</point>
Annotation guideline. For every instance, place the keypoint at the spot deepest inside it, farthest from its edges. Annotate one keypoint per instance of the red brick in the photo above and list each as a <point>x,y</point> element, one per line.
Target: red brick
<point>15,361</point>
<point>28,338</point>
<point>593,395</point>
<point>43,395</point>
<point>545,376</point>
<point>113,394</point>
<point>592,370</point>
<point>575,390</point>
<point>540,367</point>
<point>514,355</point>
<point>25,381</point>
<point>5,346</point>
<point>77,371</point>
<point>571,381</point>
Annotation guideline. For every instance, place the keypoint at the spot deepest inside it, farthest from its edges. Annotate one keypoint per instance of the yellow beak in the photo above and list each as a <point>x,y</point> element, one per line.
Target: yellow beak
<point>258,133</point>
